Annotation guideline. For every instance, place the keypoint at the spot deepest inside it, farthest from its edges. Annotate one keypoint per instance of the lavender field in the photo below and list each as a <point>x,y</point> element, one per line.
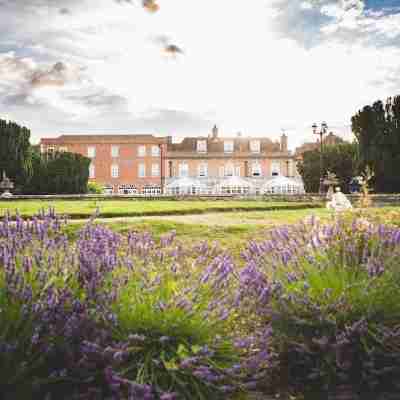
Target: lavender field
<point>309,309</point>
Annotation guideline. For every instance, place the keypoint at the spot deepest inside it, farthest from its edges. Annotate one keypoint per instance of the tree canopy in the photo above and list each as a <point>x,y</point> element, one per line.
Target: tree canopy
<point>15,152</point>
<point>377,129</point>
<point>340,159</point>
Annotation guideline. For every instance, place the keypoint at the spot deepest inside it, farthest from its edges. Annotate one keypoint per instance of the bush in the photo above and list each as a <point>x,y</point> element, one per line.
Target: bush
<point>94,188</point>
<point>113,316</point>
<point>331,295</point>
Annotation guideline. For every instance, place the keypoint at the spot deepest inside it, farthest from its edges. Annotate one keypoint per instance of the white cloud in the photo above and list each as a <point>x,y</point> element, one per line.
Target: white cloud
<point>245,67</point>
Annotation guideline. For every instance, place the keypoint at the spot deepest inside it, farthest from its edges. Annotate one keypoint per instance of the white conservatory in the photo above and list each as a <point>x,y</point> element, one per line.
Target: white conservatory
<point>185,186</point>
<point>283,185</point>
<point>234,185</point>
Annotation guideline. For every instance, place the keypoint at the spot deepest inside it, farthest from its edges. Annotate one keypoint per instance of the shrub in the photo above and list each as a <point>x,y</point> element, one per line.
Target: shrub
<point>114,317</point>
<point>331,296</point>
<point>94,188</point>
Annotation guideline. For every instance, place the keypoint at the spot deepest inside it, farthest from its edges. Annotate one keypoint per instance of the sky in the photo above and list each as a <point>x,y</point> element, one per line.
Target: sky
<point>177,67</point>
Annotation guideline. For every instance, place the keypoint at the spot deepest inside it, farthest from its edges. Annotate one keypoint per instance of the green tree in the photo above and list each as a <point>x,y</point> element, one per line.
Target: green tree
<point>58,173</point>
<point>377,129</point>
<point>341,159</point>
<point>15,154</point>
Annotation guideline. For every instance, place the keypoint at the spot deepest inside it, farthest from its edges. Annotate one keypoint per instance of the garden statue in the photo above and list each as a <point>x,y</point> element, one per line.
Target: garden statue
<point>339,201</point>
<point>6,185</point>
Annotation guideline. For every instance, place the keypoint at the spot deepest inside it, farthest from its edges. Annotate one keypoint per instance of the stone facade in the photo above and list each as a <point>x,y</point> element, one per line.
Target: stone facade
<point>212,159</point>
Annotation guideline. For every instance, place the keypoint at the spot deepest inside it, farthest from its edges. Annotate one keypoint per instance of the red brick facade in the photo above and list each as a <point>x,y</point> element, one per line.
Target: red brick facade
<point>123,163</point>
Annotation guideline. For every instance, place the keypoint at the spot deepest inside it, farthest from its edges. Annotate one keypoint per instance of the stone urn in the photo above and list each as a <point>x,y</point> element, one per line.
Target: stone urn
<point>6,186</point>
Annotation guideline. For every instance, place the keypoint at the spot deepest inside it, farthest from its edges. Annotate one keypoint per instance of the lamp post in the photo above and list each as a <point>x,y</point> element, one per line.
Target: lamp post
<point>321,132</point>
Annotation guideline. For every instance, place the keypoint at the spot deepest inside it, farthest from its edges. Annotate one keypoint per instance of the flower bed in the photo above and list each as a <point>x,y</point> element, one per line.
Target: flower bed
<point>314,312</point>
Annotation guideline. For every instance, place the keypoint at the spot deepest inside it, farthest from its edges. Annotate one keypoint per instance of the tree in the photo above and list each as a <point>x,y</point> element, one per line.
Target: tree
<point>15,154</point>
<point>340,159</point>
<point>377,129</point>
<point>59,173</point>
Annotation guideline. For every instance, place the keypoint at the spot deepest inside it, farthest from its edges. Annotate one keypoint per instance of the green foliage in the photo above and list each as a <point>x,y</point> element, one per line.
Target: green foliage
<point>94,188</point>
<point>377,129</point>
<point>15,157</point>
<point>340,159</point>
<point>59,173</point>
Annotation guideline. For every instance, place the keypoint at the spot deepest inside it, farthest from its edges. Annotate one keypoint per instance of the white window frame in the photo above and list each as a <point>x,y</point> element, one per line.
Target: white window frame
<point>237,171</point>
<point>229,146</point>
<point>201,146</point>
<point>255,146</point>
<point>92,171</point>
<point>202,170</point>
<point>229,170</point>
<point>155,170</point>
<point>114,171</point>
<point>91,152</point>
<point>142,151</point>
<point>256,169</point>
<point>114,151</point>
<point>183,170</point>
<point>155,151</point>
<point>142,170</point>
<point>275,168</point>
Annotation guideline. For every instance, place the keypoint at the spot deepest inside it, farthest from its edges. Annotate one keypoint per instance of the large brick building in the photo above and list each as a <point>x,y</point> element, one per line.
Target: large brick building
<point>125,164</point>
<point>129,164</point>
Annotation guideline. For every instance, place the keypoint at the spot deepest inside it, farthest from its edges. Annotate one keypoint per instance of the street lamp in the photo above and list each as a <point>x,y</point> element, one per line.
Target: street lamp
<point>321,132</point>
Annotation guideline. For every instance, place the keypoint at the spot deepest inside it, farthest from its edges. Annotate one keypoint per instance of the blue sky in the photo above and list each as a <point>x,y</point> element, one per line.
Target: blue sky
<point>259,66</point>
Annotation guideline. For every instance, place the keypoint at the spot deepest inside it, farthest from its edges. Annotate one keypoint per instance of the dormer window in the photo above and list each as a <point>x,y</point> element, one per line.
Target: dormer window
<point>255,146</point>
<point>228,146</point>
<point>202,146</point>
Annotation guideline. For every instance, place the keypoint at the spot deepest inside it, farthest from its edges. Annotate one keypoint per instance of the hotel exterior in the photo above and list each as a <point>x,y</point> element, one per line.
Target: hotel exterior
<point>149,165</point>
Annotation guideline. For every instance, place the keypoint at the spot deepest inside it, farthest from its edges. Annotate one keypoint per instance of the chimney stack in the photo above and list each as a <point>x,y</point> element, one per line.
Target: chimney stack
<point>215,132</point>
<point>284,142</point>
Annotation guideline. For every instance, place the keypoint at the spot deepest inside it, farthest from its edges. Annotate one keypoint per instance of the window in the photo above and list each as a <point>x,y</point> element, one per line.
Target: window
<point>114,171</point>
<point>127,189</point>
<point>255,146</point>
<point>256,169</point>
<point>183,170</point>
<point>202,146</point>
<point>63,149</point>
<point>114,151</point>
<point>155,151</point>
<point>155,170</point>
<point>229,170</point>
<point>141,151</point>
<point>237,171</point>
<point>50,149</point>
<point>91,152</point>
<point>91,171</point>
<point>203,170</point>
<point>275,168</point>
<point>228,146</point>
<point>151,190</point>
<point>142,170</point>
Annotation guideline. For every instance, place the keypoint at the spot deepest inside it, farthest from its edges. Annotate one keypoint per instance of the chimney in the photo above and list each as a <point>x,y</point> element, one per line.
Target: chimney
<point>284,142</point>
<point>215,132</point>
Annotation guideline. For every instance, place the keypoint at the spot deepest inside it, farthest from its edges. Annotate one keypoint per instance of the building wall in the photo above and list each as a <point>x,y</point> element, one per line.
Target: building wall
<point>128,161</point>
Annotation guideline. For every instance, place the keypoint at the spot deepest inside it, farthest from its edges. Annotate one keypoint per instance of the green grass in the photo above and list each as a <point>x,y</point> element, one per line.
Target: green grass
<point>124,208</point>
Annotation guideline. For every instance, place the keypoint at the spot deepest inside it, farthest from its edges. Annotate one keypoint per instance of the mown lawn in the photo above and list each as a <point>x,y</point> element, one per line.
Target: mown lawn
<point>120,208</point>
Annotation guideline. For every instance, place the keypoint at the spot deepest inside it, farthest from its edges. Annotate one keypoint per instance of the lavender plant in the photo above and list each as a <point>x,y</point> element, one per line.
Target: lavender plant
<point>330,294</point>
<point>113,317</point>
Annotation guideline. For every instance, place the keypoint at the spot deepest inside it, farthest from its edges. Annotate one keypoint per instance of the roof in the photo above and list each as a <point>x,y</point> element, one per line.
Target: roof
<point>216,145</point>
<point>64,139</point>
<point>282,181</point>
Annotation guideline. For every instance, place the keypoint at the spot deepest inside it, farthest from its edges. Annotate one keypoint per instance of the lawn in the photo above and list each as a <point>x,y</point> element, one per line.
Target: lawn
<point>132,208</point>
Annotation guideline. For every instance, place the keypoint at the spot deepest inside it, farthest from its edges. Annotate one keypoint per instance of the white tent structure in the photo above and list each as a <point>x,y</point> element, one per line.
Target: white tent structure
<point>185,186</point>
<point>283,185</point>
<point>233,185</point>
